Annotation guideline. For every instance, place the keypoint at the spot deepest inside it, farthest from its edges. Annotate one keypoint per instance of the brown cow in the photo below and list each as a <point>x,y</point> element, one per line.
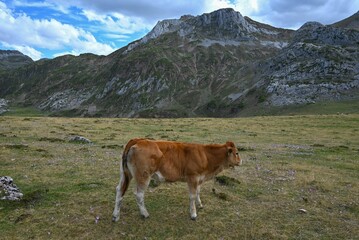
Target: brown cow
<point>171,161</point>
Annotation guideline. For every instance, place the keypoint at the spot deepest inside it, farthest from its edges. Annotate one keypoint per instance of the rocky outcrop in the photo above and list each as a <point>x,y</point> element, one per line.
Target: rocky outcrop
<point>314,32</point>
<point>8,189</point>
<point>65,100</point>
<point>3,106</point>
<point>80,139</point>
<point>284,94</point>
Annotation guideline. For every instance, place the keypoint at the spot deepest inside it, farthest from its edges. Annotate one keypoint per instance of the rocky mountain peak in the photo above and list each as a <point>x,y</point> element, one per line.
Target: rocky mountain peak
<point>310,26</point>
<point>225,18</point>
<point>224,24</point>
<point>314,32</point>
<point>10,59</point>
<point>162,27</point>
<point>7,53</point>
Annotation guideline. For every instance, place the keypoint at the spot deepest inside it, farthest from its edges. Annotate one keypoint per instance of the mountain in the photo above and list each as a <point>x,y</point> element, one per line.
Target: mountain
<point>350,22</point>
<point>10,59</point>
<point>321,63</point>
<point>215,64</point>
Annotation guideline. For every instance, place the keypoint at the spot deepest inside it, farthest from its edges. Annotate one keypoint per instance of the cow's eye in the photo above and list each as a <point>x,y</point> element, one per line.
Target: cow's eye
<point>236,153</point>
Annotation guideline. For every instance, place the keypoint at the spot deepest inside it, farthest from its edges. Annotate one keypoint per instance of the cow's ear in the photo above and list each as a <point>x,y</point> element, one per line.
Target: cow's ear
<point>230,144</point>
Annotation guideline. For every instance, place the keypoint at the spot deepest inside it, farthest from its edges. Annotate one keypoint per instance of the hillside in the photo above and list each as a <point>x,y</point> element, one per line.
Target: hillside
<point>215,64</point>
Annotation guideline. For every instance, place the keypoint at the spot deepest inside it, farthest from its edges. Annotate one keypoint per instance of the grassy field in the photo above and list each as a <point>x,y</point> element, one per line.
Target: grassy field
<point>290,163</point>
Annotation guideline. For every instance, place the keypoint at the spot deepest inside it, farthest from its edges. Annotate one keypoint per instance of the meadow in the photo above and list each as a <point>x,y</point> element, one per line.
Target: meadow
<point>298,180</point>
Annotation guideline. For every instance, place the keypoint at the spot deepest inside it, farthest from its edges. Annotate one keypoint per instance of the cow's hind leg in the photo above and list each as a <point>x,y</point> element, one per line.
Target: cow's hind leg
<point>140,195</point>
<point>125,178</point>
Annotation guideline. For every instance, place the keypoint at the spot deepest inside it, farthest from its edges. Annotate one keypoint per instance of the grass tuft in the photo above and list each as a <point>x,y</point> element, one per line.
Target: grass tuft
<point>227,181</point>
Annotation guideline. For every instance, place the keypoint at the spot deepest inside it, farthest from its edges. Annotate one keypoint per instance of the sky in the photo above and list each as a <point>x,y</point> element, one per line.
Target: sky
<point>51,28</point>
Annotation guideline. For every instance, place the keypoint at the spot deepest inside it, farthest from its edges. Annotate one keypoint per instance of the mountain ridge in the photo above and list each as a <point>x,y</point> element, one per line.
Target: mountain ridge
<point>217,64</point>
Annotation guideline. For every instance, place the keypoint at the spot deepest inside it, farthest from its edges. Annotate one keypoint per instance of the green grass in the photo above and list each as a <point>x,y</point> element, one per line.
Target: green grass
<point>338,107</point>
<point>289,163</point>
<point>24,111</point>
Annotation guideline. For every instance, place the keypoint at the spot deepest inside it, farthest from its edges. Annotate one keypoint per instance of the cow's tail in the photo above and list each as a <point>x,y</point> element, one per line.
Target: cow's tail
<point>126,173</point>
<point>125,178</point>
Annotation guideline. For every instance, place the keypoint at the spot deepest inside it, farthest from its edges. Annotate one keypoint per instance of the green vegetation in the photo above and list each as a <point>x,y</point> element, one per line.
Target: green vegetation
<point>24,111</point>
<point>329,107</point>
<point>290,163</point>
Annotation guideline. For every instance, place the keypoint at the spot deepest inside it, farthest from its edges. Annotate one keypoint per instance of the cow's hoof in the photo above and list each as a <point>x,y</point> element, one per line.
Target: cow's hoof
<point>145,215</point>
<point>115,219</point>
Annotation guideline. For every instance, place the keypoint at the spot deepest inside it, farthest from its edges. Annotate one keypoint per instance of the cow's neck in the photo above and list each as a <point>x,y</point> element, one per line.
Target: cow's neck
<point>217,157</point>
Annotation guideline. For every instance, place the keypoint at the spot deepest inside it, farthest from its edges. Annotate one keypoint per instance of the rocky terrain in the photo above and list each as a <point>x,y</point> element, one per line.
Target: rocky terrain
<point>320,64</point>
<point>215,64</point>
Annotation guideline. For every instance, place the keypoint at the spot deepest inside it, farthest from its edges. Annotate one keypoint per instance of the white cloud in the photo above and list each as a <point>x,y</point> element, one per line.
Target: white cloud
<point>117,22</point>
<point>149,11</point>
<point>293,13</point>
<point>29,51</point>
<point>288,13</point>
<point>31,4</point>
<point>22,30</point>
<point>245,7</point>
<point>119,37</point>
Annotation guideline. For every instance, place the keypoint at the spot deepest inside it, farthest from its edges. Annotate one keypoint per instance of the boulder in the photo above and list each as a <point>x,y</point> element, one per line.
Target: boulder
<point>80,139</point>
<point>8,189</point>
<point>3,105</point>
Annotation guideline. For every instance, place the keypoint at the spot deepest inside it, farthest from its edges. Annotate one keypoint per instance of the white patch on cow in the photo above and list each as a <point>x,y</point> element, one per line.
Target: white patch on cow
<point>192,205</point>
<point>201,178</point>
<point>160,177</point>
<point>198,199</point>
<point>129,164</point>
<point>141,202</point>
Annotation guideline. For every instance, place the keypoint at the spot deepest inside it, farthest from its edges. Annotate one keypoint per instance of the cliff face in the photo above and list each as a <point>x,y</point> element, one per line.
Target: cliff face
<point>215,64</point>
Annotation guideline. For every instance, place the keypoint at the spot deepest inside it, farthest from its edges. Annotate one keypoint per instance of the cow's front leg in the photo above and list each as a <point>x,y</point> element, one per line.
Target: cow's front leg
<point>192,199</point>
<point>198,199</point>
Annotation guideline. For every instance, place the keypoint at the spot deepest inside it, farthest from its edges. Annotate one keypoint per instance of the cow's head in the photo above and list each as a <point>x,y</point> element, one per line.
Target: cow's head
<point>233,156</point>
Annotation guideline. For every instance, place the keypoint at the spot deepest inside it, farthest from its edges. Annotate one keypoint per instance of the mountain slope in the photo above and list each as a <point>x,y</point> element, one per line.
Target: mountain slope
<point>320,64</point>
<point>351,22</point>
<point>215,64</point>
